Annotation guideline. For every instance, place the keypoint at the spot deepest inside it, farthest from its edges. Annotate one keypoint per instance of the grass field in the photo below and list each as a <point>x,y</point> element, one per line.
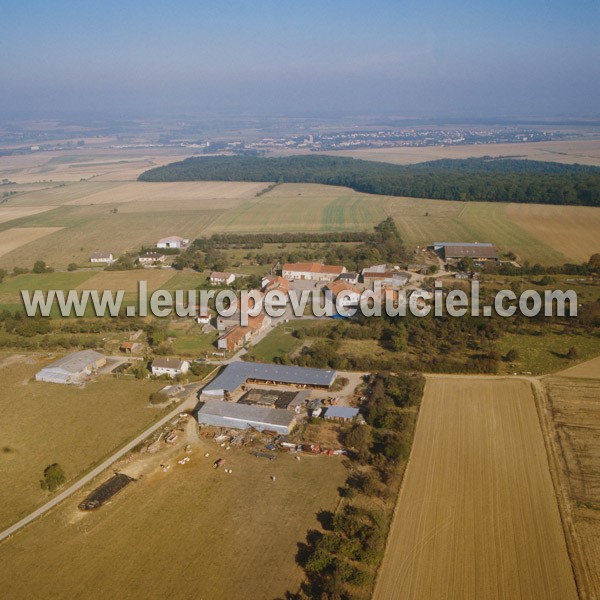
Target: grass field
<point>546,353</point>
<point>10,213</point>
<point>574,406</point>
<point>191,533</point>
<point>42,423</point>
<point>477,516</point>
<point>571,230</point>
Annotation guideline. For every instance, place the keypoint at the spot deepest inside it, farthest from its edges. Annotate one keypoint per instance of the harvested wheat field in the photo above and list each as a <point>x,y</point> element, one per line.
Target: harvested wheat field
<point>127,280</point>
<point>477,517</point>
<point>590,369</point>
<point>574,408</point>
<point>10,213</point>
<point>14,238</point>
<point>571,230</point>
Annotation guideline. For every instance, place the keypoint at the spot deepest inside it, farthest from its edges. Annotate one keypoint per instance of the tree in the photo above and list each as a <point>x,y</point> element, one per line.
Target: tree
<point>54,477</point>
<point>72,267</point>
<point>2,275</point>
<point>40,267</point>
<point>359,438</point>
<point>572,353</point>
<point>594,261</point>
<point>512,355</point>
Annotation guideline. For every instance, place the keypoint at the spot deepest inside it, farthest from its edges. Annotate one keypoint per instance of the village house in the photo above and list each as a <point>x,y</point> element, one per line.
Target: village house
<point>173,241</point>
<point>172,367</point>
<point>348,294</point>
<point>102,257</point>
<point>311,271</point>
<point>221,278</point>
<point>149,258</point>
<point>350,277</point>
<point>238,335</point>
<point>389,278</point>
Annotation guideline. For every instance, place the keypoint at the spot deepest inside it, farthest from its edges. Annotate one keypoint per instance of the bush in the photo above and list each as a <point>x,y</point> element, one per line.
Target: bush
<point>54,477</point>
<point>158,398</point>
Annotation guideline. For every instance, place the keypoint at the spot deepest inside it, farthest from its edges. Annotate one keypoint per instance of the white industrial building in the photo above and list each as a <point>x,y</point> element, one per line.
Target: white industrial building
<point>173,241</point>
<point>72,369</point>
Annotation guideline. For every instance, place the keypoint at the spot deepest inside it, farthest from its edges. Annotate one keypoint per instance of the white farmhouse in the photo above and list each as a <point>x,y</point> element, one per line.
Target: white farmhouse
<point>169,366</point>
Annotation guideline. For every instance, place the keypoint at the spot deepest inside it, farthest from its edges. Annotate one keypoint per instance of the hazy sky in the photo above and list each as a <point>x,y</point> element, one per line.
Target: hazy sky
<point>479,57</point>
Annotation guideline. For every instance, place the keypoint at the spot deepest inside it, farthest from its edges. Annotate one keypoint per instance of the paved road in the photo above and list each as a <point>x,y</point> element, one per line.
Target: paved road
<point>189,403</point>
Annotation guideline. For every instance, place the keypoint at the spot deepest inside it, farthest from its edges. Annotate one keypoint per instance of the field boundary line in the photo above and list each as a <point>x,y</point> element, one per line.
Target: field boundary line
<point>555,465</point>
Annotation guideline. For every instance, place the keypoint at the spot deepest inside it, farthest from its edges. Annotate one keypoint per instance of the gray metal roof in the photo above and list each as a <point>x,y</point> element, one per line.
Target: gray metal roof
<point>472,244</point>
<point>246,412</point>
<point>344,412</point>
<point>236,373</point>
<point>76,362</point>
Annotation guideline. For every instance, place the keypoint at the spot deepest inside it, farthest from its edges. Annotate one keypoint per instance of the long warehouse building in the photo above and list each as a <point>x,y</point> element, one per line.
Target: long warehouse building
<point>244,416</point>
<point>237,373</point>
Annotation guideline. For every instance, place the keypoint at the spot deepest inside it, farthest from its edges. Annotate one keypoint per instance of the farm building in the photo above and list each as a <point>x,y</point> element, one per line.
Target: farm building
<point>173,241</point>
<point>73,368</point>
<point>237,336</point>
<point>150,257</point>
<point>270,284</point>
<point>131,347</point>
<point>244,416</point>
<point>348,294</point>
<point>238,373</point>
<point>311,271</point>
<point>294,401</point>
<point>221,278</point>
<point>102,257</point>
<point>392,278</point>
<point>351,277</point>
<point>172,367</point>
<point>458,250</point>
<point>341,413</point>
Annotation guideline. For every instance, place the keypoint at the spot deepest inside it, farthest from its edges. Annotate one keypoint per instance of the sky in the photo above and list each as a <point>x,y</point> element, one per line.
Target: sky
<point>303,57</point>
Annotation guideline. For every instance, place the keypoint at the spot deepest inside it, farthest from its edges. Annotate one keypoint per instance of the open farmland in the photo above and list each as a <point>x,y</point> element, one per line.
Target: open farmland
<point>572,230</point>
<point>190,533</point>
<point>114,217</point>
<point>584,152</point>
<point>10,213</point>
<point>586,370</point>
<point>11,239</point>
<point>304,207</point>
<point>573,406</point>
<point>98,164</point>
<point>121,216</point>
<point>43,423</point>
<point>477,516</point>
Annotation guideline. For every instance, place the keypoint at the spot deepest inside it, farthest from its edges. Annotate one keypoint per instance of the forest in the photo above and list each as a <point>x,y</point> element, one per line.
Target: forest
<point>472,179</point>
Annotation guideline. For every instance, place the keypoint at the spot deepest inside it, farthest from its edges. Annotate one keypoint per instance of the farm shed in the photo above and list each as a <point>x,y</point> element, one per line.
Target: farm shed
<point>458,250</point>
<point>244,416</point>
<point>236,374</point>
<point>341,413</point>
<point>73,368</point>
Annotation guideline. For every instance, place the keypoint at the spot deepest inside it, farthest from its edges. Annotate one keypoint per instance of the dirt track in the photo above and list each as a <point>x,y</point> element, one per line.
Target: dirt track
<point>477,516</point>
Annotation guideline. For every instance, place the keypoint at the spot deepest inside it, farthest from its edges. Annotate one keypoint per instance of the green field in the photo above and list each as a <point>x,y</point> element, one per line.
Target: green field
<point>43,423</point>
<point>546,353</point>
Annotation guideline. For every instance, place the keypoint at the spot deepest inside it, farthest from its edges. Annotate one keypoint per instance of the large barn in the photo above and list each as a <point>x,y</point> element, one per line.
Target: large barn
<point>73,368</point>
<point>458,250</point>
<point>237,373</point>
<point>244,416</point>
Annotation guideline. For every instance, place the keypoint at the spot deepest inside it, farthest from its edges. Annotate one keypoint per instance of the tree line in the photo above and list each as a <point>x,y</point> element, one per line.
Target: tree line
<point>478,179</point>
